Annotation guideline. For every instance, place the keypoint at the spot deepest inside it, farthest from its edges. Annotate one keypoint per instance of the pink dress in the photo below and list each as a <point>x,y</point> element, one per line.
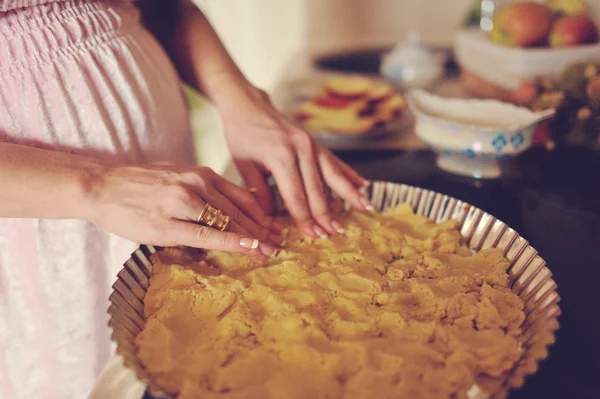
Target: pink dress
<point>87,78</point>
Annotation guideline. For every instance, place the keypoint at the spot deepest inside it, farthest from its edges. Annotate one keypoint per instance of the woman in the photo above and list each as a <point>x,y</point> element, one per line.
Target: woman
<point>91,118</point>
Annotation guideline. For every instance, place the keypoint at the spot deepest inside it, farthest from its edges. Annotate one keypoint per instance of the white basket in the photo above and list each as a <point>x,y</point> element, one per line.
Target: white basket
<point>509,66</point>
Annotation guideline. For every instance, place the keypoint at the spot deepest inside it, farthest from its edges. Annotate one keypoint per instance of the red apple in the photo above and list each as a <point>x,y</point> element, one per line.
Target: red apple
<point>573,30</point>
<point>522,24</point>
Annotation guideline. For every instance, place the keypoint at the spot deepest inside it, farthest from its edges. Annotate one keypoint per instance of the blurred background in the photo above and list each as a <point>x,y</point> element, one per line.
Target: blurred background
<point>266,37</point>
<point>535,166</point>
<point>273,41</point>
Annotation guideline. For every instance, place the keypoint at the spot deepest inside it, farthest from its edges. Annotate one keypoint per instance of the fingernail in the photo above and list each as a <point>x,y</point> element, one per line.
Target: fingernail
<point>249,243</point>
<point>267,250</point>
<point>337,227</point>
<point>367,204</point>
<point>320,232</point>
<point>253,190</point>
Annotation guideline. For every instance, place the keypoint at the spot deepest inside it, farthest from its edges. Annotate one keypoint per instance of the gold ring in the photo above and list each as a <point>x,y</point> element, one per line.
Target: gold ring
<point>212,217</point>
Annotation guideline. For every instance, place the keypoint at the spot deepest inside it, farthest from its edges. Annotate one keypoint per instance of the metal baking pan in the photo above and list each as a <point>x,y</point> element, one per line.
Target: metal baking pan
<point>529,278</point>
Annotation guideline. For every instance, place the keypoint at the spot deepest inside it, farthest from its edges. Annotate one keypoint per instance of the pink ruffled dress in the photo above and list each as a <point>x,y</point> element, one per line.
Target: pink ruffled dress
<point>83,77</point>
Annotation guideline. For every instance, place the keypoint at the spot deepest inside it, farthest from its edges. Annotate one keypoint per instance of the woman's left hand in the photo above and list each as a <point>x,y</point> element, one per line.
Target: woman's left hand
<point>263,142</point>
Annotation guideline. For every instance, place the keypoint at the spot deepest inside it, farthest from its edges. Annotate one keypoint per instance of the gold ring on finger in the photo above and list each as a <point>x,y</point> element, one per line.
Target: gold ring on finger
<point>212,217</point>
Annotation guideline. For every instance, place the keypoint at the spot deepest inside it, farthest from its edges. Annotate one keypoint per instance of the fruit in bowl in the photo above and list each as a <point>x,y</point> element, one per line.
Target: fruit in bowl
<point>568,7</point>
<point>522,24</point>
<point>557,24</point>
<point>573,30</point>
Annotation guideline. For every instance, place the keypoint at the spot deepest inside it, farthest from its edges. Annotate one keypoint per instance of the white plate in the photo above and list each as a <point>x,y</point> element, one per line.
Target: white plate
<point>298,92</point>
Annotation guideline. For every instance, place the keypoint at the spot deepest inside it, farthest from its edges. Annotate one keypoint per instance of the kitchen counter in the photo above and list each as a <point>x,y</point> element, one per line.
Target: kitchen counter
<point>571,370</point>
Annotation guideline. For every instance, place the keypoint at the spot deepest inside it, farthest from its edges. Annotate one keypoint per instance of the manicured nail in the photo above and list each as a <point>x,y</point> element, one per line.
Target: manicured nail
<point>337,227</point>
<point>320,232</point>
<point>249,243</point>
<point>367,204</point>
<point>267,250</point>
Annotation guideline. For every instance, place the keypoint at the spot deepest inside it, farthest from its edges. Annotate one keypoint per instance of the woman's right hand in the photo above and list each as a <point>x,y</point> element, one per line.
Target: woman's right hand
<point>158,204</point>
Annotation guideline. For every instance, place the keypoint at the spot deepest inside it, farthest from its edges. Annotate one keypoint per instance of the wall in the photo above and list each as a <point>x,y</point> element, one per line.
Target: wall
<point>347,23</point>
<point>264,35</point>
<point>261,36</point>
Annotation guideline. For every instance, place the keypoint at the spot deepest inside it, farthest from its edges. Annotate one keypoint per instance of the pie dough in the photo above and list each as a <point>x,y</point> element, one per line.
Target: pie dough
<point>394,308</point>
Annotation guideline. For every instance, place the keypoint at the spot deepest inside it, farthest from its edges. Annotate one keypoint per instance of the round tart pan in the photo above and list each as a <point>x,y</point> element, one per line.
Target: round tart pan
<point>529,278</point>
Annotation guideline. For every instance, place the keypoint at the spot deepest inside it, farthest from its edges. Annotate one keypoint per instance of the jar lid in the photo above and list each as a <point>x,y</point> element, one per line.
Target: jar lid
<point>411,62</point>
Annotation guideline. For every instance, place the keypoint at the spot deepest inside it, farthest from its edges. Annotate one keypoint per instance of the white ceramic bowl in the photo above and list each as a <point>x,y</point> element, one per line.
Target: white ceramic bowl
<point>471,136</point>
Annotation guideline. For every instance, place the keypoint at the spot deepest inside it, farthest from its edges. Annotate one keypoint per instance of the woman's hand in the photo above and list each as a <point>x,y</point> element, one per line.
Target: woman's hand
<point>264,142</point>
<point>158,204</point>
<point>261,140</point>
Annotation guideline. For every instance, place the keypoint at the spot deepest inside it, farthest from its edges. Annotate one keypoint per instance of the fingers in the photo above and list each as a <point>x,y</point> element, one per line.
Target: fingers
<point>221,194</point>
<point>344,181</point>
<point>198,236</point>
<point>313,184</point>
<point>285,170</point>
<point>357,180</point>
<point>234,227</point>
<point>300,173</point>
<point>255,180</point>
<point>185,204</point>
<point>223,202</point>
<point>257,203</point>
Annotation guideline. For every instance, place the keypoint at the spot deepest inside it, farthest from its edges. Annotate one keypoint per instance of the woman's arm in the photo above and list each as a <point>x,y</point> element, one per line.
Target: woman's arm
<point>194,47</point>
<point>261,140</point>
<point>152,204</point>
<point>203,61</point>
<point>45,184</point>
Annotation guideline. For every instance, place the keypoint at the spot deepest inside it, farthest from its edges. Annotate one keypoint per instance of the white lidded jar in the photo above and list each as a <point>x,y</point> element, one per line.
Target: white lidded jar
<point>410,64</point>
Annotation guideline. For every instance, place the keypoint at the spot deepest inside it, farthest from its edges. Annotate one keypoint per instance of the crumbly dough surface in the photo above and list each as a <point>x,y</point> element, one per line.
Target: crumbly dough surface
<point>394,308</point>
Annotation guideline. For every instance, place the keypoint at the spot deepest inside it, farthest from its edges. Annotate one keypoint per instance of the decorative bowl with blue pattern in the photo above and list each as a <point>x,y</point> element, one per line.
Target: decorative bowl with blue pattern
<point>470,135</point>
